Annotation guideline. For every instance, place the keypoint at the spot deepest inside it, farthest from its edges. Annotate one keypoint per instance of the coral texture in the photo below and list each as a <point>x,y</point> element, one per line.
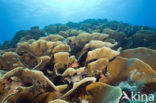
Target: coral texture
<point>88,62</point>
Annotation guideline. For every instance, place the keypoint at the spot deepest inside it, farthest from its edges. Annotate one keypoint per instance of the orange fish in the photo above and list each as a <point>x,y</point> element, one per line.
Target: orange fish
<point>6,81</point>
<point>74,65</point>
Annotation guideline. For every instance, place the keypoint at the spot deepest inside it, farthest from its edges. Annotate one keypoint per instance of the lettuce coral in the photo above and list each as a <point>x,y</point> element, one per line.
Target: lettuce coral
<point>144,54</point>
<point>82,62</point>
<point>122,69</point>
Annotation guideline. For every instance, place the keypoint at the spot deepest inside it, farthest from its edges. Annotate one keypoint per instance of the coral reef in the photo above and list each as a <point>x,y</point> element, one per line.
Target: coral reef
<point>93,61</point>
<point>144,54</point>
<point>24,35</point>
<point>103,90</point>
<point>126,35</point>
<point>123,69</point>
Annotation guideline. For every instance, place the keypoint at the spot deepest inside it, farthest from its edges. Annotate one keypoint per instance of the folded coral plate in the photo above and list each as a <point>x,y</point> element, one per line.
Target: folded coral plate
<point>81,65</point>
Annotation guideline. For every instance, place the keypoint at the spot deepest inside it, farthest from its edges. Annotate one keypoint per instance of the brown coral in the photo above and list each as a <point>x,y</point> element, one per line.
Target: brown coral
<point>63,58</point>
<point>78,42</point>
<point>122,69</point>
<point>94,44</point>
<point>9,61</point>
<point>118,36</point>
<point>26,81</point>
<point>146,55</point>
<point>97,67</point>
<point>78,84</point>
<point>143,38</point>
<point>72,71</point>
<point>61,48</point>
<point>103,93</point>
<point>58,101</point>
<point>103,52</point>
<point>72,65</point>
<point>40,52</point>
<point>52,38</point>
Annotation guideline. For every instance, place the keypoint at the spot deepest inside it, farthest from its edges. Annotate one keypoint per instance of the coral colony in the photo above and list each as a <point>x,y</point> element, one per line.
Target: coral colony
<point>94,61</point>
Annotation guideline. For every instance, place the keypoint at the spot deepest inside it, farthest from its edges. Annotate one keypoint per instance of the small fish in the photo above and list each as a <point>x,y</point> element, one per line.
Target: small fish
<point>7,81</point>
<point>74,65</point>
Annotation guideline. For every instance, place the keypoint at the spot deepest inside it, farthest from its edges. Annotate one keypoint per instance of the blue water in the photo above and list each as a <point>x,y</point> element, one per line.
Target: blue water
<point>22,14</point>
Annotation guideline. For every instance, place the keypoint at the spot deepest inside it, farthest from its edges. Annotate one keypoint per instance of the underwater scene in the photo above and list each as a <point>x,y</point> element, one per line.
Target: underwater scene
<point>88,60</point>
